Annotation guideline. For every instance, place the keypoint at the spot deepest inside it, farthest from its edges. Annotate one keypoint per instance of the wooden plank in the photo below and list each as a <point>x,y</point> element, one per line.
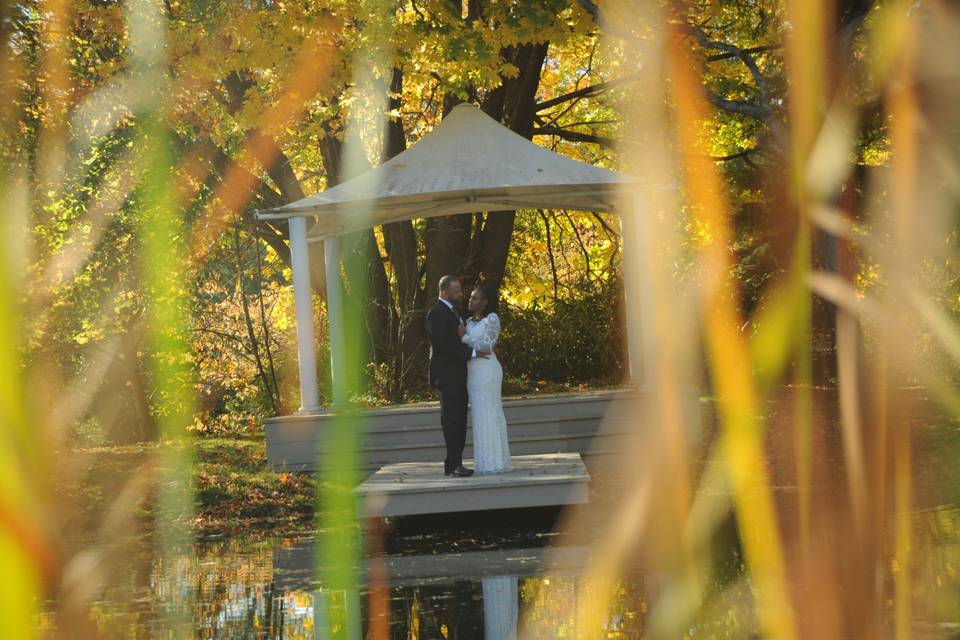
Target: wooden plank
<point>302,456</point>
<point>544,424</point>
<point>591,405</point>
<point>442,567</point>
<point>421,488</point>
<point>294,566</point>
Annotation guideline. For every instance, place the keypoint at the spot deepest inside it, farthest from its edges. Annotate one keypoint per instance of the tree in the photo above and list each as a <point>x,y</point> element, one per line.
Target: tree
<point>259,95</point>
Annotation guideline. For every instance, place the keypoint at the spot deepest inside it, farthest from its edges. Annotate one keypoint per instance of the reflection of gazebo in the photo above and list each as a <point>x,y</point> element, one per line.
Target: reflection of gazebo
<point>468,164</point>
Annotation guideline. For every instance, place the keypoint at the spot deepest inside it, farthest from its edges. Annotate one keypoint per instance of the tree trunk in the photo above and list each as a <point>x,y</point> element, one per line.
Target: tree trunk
<point>446,240</point>
<point>367,288</point>
<point>400,240</point>
<point>517,105</point>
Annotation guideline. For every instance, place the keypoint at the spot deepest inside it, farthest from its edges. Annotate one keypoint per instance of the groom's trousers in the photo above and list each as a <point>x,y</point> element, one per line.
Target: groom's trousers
<point>453,419</point>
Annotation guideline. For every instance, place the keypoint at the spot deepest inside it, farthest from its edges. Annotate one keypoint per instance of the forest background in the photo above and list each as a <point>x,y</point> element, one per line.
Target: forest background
<point>249,137</point>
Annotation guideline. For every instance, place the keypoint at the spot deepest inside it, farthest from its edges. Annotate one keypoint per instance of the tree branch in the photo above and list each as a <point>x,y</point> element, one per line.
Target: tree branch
<point>760,109</point>
<point>734,156</point>
<point>613,235</point>
<point>553,263</point>
<point>586,92</point>
<point>739,106</point>
<point>576,136</point>
<point>583,247</point>
<point>748,51</point>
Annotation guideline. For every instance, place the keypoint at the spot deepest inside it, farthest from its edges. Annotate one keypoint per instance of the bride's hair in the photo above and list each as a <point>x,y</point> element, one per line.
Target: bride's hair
<point>490,295</point>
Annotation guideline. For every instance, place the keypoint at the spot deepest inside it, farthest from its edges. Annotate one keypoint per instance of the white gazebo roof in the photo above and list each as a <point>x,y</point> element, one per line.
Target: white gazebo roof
<point>469,163</point>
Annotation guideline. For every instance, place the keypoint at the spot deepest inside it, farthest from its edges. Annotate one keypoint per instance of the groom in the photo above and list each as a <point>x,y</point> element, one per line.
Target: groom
<point>448,372</point>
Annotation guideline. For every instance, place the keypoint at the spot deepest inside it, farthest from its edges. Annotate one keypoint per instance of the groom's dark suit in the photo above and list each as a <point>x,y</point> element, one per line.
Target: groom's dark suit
<point>448,373</point>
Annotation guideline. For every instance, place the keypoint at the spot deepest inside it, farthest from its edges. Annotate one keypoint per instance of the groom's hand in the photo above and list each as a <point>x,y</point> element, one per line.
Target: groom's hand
<point>483,354</point>
<point>462,330</point>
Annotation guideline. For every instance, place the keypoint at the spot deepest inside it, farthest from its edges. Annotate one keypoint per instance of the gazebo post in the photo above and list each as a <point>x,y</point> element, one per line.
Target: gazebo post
<point>331,258</point>
<point>638,292</point>
<point>303,304</point>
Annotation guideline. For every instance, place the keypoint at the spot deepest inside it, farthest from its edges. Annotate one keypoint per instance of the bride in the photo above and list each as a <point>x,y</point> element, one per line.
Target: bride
<point>491,450</point>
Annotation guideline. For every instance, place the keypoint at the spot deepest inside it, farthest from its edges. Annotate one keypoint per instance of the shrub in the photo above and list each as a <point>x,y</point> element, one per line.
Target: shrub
<point>570,341</point>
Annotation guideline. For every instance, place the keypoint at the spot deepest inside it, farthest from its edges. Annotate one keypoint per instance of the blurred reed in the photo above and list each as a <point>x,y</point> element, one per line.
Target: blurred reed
<point>341,538</point>
<point>831,553</point>
<point>820,562</point>
<point>43,398</point>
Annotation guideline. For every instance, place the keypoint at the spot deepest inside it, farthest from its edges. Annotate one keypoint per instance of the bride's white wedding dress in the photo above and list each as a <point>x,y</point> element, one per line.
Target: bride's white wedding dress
<point>491,449</point>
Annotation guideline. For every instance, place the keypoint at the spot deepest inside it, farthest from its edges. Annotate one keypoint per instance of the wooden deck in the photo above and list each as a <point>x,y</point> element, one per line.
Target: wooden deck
<point>415,488</point>
<point>596,424</point>
<point>294,566</point>
<point>445,567</point>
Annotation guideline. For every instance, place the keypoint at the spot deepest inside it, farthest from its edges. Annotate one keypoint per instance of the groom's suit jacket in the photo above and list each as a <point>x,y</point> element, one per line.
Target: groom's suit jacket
<point>448,355</point>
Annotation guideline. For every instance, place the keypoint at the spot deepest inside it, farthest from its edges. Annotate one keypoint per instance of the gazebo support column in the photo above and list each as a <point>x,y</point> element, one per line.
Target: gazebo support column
<point>638,292</point>
<point>303,304</point>
<point>338,341</point>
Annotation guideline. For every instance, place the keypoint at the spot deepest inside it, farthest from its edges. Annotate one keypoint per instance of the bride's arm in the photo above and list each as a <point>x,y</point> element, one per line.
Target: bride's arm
<point>488,335</point>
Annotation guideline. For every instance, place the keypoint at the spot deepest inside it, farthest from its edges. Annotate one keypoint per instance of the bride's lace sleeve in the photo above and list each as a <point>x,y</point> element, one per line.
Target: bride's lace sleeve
<point>486,338</point>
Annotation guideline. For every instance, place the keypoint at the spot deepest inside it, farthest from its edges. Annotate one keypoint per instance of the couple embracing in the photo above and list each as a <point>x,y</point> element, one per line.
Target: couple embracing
<point>463,365</point>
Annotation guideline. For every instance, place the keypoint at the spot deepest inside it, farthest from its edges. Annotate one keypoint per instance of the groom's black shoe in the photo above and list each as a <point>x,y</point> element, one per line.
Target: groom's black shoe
<point>460,471</point>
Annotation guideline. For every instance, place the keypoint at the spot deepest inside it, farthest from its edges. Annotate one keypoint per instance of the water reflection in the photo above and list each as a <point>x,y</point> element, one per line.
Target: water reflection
<point>500,607</point>
<point>263,588</point>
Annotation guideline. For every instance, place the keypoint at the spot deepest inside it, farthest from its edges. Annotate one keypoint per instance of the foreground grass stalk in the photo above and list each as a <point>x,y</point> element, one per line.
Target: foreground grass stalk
<point>905,116</point>
<point>902,556</point>
<point>730,367</point>
<point>20,544</point>
<point>163,238</point>
<point>340,544</point>
<point>806,58</point>
<point>164,258</point>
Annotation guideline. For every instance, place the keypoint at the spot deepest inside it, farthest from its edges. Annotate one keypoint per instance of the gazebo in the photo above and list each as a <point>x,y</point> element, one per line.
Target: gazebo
<point>469,163</point>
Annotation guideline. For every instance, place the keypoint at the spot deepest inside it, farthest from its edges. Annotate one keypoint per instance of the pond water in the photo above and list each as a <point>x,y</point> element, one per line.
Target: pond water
<point>438,585</point>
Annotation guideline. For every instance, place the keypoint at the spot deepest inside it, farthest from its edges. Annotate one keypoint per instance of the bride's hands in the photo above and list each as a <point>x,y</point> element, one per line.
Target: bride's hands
<point>462,330</point>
